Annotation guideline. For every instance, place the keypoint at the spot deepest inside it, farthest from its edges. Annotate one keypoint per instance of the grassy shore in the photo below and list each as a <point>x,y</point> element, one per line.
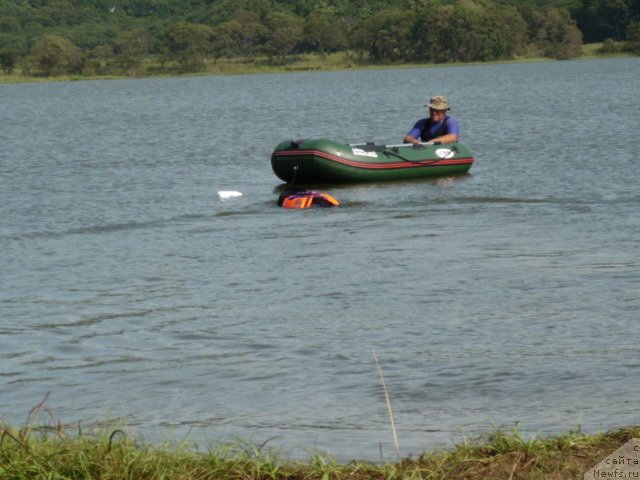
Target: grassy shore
<point>299,63</point>
<point>53,454</point>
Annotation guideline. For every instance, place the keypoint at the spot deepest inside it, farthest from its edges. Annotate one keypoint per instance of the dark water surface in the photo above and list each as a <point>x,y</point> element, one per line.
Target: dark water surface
<point>130,289</point>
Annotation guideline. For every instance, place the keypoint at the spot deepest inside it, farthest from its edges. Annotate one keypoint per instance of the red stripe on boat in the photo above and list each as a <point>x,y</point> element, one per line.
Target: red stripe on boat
<point>374,166</point>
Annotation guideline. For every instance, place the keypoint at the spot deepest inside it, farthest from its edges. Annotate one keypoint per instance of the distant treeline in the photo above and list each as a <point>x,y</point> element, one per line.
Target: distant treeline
<point>138,37</point>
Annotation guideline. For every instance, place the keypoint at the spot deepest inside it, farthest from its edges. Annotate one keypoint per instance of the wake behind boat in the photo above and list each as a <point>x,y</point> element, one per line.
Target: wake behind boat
<point>326,161</point>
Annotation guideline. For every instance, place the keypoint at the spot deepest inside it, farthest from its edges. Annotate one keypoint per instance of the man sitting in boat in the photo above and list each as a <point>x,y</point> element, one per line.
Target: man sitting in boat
<point>438,128</point>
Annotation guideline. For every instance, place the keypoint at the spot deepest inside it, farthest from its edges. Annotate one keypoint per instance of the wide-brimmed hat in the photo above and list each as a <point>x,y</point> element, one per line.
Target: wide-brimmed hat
<point>438,103</point>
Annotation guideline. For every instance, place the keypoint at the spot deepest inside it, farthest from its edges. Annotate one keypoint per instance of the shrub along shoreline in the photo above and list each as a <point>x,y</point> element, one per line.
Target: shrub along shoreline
<point>52,453</point>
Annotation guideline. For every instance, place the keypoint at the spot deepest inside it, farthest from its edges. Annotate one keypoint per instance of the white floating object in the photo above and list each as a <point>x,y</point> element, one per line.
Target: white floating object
<point>229,194</point>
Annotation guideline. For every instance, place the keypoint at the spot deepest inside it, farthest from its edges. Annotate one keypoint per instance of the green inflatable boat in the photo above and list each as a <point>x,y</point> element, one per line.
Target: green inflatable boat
<point>326,161</point>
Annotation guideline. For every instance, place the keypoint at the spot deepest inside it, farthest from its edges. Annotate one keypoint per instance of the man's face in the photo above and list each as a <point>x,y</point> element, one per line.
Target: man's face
<point>436,115</point>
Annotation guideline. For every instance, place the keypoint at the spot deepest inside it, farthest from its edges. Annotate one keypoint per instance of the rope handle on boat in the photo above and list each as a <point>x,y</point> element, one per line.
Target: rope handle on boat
<point>395,153</point>
<point>295,175</point>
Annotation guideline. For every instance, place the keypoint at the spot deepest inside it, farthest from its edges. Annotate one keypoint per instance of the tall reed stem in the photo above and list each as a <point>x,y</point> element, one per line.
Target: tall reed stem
<point>386,396</point>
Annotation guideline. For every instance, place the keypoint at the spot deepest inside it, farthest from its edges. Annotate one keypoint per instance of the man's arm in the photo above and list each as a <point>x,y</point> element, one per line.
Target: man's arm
<point>411,139</point>
<point>448,138</point>
<point>413,136</point>
<point>452,132</point>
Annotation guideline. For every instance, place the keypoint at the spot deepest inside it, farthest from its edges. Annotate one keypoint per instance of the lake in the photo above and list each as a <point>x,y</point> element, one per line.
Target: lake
<point>508,296</point>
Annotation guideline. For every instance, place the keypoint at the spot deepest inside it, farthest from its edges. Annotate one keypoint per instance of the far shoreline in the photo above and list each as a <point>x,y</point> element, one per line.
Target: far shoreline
<point>301,63</point>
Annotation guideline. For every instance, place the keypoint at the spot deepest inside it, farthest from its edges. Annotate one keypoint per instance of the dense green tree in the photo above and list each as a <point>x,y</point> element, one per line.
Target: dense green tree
<point>10,25</point>
<point>60,12</point>
<point>467,31</point>
<point>475,35</point>
<point>602,19</point>
<point>634,10</point>
<point>243,35</point>
<point>130,50</point>
<point>91,34</point>
<point>429,31</point>
<point>514,30</point>
<point>189,44</point>
<point>556,34</point>
<point>223,43</point>
<point>392,41</point>
<point>158,8</point>
<point>14,41</point>
<point>8,60</point>
<point>633,37</point>
<point>221,11</point>
<point>324,34</point>
<point>284,33</point>
<point>329,9</point>
<point>55,55</point>
<point>99,61</point>
<point>385,37</point>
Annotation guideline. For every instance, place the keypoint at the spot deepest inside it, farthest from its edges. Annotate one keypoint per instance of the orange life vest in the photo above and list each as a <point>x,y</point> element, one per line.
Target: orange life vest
<point>306,199</point>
